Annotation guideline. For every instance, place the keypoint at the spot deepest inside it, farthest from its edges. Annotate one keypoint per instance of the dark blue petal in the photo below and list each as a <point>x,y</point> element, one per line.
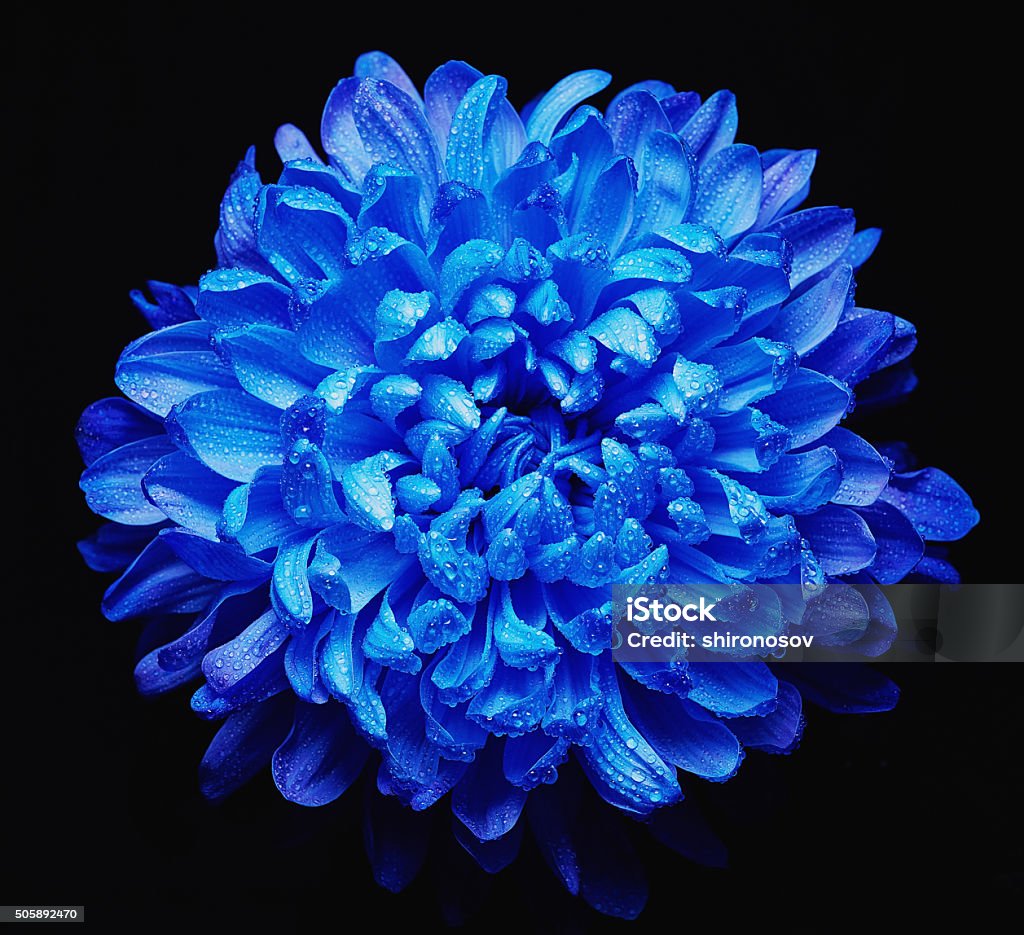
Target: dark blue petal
<point>484,800</point>
<point>396,840</point>
<point>218,560</point>
<point>844,689</point>
<point>243,746</point>
<point>935,503</point>
<point>900,544</point>
<point>491,856</point>
<point>779,730</point>
<point>841,540</point>
<point>321,757</point>
<point>110,423</point>
<point>113,547</point>
<point>703,746</point>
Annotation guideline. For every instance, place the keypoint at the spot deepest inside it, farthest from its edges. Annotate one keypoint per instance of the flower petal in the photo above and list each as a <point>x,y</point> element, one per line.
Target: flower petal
<point>563,97</point>
<point>935,503</point>
<point>229,431</point>
<point>113,483</point>
<point>321,757</point>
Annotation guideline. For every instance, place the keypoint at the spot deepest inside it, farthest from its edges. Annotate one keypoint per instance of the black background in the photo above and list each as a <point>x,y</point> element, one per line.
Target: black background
<point>128,131</point>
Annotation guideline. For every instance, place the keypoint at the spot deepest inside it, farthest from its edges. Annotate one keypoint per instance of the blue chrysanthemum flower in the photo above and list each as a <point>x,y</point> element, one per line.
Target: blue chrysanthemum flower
<point>445,387</point>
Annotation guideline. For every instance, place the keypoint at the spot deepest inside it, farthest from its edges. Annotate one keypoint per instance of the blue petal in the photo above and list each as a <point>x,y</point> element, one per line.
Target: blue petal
<point>865,471</point>
<point>666,184</point>
<point>841,540</point>
<point>607,213</point>
<point>632,117</point>
<point>776,732</point>
<point>703,746</point>
<point>113,483</point>
<point>679,108</point>
<point>623,767</point>
<point>391,200</point>
<point>521,641</point>
<point>900,545</point>
<point>563,97</point>
<point>396,840</point>
<point>242,747</point>
<point>748,441</point>
<point>165,367</point>
<point>712,127</point>
<point>751,371</point>
<point>229,431</point>
<point>484,800</point>
<point>848,353</point>
<point>110,423</point>
<point>254,515</point>
<point>291,144</point>
<point>818,236</point>
<point>800,483</point>
<point>729,191</point>
<point>321,757</point>
<point>935,503</point>
<point>236,236</point>
<point>339,134</point>
<point>302,232</point>
<point>113,547</point>
<point>217,560</point>
<point>394,129</point>
<point>444,91</point>
<point>513,702</point>
<point>809,405</point>
<point>383,66</point>
<point>845,689</point>
<point>471,123</point>
<point>806,321</point>
<point>534,759</point>
<point>368,562</point>
<point>736,689</point>
<point>786,183</point>
<point>231,298</point>
<point>267,364</point>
